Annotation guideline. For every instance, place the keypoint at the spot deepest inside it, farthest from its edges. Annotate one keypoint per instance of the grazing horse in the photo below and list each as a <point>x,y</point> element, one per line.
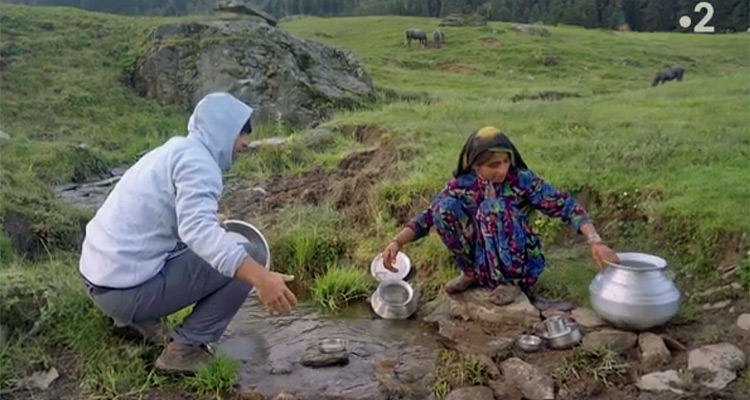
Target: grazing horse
<point>668,74</point>
<point>415,34</point>
<point>438,37</point>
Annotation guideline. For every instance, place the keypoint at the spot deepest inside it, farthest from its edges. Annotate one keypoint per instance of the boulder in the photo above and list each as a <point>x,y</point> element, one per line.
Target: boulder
<point>530,380</point>
<point>531,30</point>
<point>660,381</point>
<point>244,8</point>
<point>721,360</point>
<point>286,79</point>
<point>653,350</point>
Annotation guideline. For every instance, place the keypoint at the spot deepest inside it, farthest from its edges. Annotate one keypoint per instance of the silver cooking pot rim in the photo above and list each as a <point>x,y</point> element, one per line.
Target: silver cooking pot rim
<point>653,262</point>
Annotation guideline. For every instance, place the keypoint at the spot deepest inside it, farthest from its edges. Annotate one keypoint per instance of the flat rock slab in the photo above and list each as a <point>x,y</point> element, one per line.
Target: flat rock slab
<point>614,339</point>
<point>475,305</point>
<point>470,338</point>
<point>386,357</point>
<point>722,360</point>
<point>471,393</point>
<point>587,318</point>
<point>660,381</point>
<point>530,380</point>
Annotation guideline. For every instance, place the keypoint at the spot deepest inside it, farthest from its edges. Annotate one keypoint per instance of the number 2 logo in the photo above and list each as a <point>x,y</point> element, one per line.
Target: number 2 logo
<point>701,25</point>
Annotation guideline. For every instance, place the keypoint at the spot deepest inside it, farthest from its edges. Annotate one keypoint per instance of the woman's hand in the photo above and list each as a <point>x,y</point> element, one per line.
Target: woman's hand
<point>389,256</point>
<point>602,253</point>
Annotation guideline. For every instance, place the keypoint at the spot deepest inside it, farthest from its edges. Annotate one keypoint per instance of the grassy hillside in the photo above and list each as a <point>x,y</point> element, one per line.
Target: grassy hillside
<point>662,169</point>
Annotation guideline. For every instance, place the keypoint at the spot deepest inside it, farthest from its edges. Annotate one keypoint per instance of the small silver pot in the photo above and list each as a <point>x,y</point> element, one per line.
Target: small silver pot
<point>394,299</point>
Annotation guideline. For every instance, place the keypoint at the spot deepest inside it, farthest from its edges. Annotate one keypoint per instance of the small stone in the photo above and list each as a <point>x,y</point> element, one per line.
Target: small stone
<point>281,368</point>
<point>587,318</point>
<point>653,350</point>
<point>743,321</point>
<point>660,381</point>
<point>313,357</point>
<point>4,135</point>
<point>471,393</point>
<point>614,339</point>
<point>531,381</point>
<point>716,306</point>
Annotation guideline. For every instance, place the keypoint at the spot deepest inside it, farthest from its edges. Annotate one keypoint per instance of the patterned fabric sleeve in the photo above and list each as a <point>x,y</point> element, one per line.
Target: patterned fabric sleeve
<point>550,201</point>
<point>457,188</point>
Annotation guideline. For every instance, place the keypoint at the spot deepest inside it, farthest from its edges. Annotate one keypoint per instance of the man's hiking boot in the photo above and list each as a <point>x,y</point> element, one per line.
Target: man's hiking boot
<point>155,332</point>
<point>180,358</point>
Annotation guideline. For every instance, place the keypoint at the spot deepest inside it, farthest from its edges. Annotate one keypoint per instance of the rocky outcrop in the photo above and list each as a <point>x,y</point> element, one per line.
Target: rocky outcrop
<point>244,8</point>
<point>286,79</point>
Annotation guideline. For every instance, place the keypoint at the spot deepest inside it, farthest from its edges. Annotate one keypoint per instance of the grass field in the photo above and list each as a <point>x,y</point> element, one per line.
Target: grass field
<point>665,169</point>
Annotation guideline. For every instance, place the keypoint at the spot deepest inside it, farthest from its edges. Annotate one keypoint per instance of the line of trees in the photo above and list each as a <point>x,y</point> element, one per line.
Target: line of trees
<point>638,15</point>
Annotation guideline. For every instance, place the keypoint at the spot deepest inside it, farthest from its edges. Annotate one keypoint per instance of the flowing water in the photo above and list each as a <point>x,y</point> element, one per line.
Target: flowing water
<point>388,359</point>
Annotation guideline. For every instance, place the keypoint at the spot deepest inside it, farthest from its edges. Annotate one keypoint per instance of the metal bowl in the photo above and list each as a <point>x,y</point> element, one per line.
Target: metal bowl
<point>332,345</point>
<point>394,299</point>
<point>378,270</point>
<point>253,240</point>
<point>565,340</point>
<point>529,343</point>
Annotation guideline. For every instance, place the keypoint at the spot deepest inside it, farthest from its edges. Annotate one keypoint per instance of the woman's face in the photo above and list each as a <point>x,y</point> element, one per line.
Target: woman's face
<point>495,169</point>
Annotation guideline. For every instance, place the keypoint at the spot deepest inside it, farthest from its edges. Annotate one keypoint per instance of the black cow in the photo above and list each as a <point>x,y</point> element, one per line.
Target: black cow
<point>668,74</point>
<point>415,34</point>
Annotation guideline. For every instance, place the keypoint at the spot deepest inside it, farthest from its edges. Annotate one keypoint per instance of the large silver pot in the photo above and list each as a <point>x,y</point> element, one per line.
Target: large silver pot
<point>635,294</point>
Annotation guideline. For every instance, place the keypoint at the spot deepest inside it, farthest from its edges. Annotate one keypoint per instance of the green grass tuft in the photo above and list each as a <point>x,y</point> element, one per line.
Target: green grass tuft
<point>340,285</point>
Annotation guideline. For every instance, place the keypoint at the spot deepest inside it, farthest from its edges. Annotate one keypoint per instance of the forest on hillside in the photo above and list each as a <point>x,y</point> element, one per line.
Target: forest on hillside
<point>637,15</point>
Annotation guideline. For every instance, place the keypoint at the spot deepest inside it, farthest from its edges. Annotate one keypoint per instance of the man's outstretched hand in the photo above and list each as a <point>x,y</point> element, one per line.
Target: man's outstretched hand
<point>275,295</point>
<point>270,286</point>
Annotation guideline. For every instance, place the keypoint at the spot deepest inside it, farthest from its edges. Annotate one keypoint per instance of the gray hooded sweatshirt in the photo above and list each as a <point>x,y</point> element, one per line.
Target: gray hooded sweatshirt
<point>170,195</point>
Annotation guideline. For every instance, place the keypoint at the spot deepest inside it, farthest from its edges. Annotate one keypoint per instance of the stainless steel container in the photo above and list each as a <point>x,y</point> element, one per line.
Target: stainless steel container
<point>636,294</point>
<point>394,299</point>
<point>252,239</point>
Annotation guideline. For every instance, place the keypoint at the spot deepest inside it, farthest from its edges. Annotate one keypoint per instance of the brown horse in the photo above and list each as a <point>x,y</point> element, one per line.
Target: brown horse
<point>415,34</point>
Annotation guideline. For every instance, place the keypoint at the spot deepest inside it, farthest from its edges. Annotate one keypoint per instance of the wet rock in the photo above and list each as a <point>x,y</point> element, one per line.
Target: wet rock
<point>505,390</point>
<point>531,30</point>
<point>285,78</point>
<point>587,318</point>
<point>721,360</point>
<point>475,305</point>
<point>614,339</point>
<point>313,357</point>
<point>471,393</point>
<point>281,368</point>
<point>400,366</point>
<point>531,381</point>
<point>653,350</point>
<point>743,321</point>
<point>469,338</point>
<point>660,381</point>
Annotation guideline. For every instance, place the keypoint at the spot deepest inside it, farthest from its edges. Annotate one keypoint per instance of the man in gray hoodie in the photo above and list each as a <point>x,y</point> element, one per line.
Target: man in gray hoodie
<point>156,245</point>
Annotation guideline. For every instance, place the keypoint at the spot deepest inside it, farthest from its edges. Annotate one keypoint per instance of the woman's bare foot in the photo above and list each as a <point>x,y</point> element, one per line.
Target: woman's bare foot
<point>459,284</point>
<point>504,294</point>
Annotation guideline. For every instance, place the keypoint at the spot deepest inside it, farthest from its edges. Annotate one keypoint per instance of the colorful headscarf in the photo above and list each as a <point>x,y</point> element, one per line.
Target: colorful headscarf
<point>483,140</point>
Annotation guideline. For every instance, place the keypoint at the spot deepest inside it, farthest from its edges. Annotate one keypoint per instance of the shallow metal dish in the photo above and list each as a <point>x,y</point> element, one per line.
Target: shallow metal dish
<point>378,270</point>
<point>253,240</point>
<point>394,299</point>
<point>529,343</point>
<point>332,345</point>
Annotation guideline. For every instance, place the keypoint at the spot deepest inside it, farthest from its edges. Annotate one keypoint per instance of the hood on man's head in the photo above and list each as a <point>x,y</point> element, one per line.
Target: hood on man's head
<point>216,122</point>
